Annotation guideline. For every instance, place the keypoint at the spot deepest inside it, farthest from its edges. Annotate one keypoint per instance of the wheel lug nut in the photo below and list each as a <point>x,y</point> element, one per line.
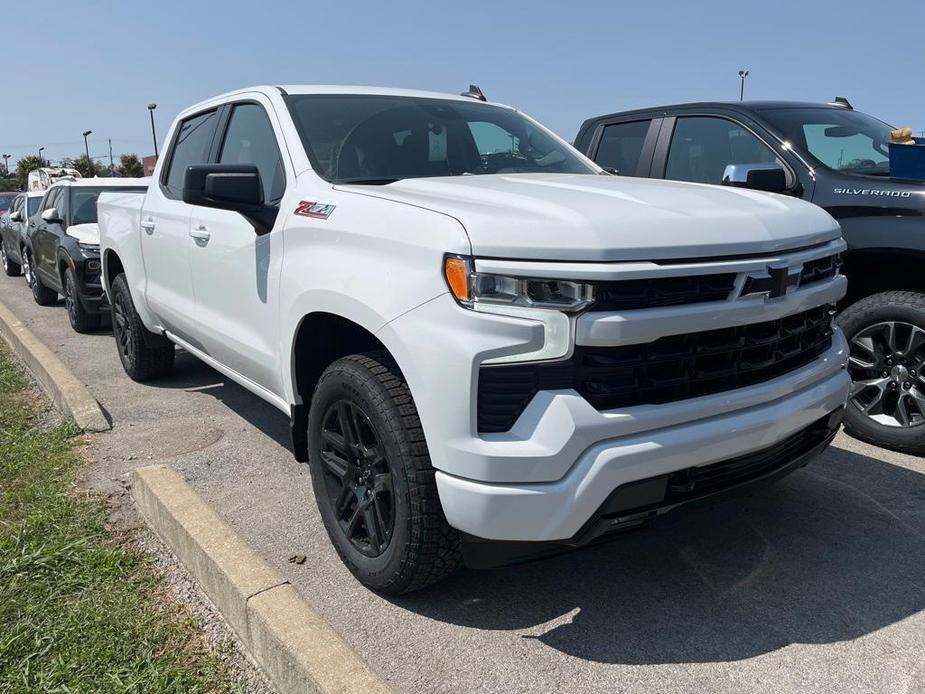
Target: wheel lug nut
<point>889,362</point>
<point>907,385</point>
<point>885,374</point>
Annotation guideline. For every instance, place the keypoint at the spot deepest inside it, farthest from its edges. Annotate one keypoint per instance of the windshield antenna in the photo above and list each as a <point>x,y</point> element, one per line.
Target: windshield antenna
<point>843,102</point>
<point>474,93</point>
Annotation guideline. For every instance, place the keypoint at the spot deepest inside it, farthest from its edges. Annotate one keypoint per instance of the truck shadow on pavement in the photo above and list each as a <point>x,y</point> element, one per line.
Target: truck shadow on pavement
<point>833,552</point>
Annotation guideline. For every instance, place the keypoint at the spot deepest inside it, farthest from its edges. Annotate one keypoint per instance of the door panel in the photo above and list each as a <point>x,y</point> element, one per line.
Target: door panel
<point>165,221</point>
<point>235,272</point>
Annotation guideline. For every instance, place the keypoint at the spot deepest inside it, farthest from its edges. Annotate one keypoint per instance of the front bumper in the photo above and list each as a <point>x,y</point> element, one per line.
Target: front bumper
<point>637,504</point>
<point>558,511</point>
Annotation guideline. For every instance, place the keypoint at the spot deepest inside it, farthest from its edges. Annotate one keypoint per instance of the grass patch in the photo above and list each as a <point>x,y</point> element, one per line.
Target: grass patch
<point>78,612</point>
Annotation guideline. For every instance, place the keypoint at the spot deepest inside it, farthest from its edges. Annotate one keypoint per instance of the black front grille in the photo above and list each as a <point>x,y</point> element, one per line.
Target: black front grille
<point>623,295</point>
<point>667,370</point>
<point>820,269</point>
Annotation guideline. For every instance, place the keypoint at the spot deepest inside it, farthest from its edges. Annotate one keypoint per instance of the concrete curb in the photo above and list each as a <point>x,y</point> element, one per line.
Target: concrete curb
<point>69,394</point>
<point>290,641</point>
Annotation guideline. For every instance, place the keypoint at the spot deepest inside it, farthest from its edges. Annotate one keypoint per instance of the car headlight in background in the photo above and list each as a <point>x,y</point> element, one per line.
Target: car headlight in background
<point>473,289</point>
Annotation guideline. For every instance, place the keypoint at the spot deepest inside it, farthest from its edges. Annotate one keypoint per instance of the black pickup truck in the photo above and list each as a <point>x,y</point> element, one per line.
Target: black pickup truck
<point>837,158</point>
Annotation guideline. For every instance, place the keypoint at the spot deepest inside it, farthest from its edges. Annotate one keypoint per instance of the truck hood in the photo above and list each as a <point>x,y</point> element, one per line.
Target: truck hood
<point>609,218</point>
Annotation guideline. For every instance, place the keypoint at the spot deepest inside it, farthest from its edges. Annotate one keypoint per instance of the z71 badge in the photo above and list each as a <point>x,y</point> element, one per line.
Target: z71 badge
<point>317,210</point>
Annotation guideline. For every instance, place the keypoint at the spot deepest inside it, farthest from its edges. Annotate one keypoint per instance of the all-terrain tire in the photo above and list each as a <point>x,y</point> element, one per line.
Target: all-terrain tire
<point>145,355</point>
<point>422,548</point>
<point>901,307</point>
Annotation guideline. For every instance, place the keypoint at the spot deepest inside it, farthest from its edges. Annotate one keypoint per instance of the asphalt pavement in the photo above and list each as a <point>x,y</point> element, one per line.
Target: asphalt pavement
<point>816,584</point>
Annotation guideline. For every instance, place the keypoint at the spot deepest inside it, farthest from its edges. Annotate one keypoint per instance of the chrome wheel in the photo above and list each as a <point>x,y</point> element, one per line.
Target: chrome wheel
<point>358,480</point>
<point>887,366</point>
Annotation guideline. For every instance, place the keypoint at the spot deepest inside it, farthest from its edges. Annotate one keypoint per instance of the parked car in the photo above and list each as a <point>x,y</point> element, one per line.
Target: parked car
<point>837,158</point>
<point>61,254</point>
<point>488,348</point>
<point>13,228</point>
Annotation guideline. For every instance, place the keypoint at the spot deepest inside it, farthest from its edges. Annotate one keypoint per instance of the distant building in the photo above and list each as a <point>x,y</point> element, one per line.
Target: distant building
<point>148,164</point>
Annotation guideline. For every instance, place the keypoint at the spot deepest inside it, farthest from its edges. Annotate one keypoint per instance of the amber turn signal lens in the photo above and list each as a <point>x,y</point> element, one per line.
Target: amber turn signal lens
<point>456,271</point>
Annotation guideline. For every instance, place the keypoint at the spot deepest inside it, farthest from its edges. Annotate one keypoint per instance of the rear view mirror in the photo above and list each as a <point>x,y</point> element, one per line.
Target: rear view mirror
<point>16,216</point>
<point>767,177</point>
<point>234,187</point>
<point>51,215</point>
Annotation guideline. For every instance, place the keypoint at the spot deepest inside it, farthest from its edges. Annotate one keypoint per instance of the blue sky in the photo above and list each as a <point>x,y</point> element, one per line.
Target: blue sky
<point>82,65</point>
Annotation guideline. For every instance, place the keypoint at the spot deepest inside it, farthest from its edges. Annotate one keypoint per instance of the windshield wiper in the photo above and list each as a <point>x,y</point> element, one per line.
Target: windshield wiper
<point>359,180</point>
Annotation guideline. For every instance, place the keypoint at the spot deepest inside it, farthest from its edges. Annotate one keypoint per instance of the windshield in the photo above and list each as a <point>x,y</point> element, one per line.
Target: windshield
<point>6,201</point>
<point>842,140</point>
<point>34,203</point>
<point>83,201</point>
<point>379,139</point>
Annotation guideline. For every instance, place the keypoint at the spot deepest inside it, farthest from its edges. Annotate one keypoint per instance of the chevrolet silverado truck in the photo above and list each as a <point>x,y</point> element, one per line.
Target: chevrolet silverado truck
<point>489,349</point>
<point>838,158</point>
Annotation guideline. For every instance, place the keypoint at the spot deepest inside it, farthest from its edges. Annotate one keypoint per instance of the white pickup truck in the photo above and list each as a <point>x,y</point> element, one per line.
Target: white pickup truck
<point>489,348</point>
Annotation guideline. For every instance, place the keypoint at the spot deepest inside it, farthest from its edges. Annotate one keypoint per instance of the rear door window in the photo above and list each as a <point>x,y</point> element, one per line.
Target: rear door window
<point>702,147</point>
<point>190,146</point>
<point>621,146</point>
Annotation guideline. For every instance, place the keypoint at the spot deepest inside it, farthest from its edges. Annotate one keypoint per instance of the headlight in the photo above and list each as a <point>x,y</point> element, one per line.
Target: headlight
<point>474,288</point>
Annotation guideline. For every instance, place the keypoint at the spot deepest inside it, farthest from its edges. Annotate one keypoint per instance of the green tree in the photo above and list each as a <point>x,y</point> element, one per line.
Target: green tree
<point>88,168</point>
<point>130,166</point>
<point>24,166</point>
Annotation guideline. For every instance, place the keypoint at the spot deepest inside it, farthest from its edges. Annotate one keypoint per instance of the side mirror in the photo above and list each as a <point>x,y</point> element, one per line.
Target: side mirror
<point>16,216</point>
<point>767,177</point>
<point>234,187</point>
<point>51,215</point>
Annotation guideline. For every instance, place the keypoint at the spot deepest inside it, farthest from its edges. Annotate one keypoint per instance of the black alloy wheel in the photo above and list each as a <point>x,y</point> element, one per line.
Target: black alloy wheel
<point>358,478</point>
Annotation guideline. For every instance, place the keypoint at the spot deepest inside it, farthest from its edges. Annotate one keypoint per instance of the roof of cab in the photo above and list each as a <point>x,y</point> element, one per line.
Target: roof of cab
<point>289,89</point>
<point>735,105</point>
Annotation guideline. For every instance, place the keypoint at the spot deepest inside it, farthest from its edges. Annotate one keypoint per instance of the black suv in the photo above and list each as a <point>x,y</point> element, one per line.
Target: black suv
<point>62,248</point>
<point>837,158</point>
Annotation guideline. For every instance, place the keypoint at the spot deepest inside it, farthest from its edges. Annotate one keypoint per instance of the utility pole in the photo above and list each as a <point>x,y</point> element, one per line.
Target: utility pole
<point>742,75</point>
<point>41,161</point>
<point>6,163</point>
<point>87,150</point>
<point>112,167</point>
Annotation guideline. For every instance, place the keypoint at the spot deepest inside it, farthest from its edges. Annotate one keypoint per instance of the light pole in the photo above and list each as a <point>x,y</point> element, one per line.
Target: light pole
<point>742,75</point>
<point>6,163</point>
<point>41,161</point>
<point>151,108</point>
<point>87,150</point>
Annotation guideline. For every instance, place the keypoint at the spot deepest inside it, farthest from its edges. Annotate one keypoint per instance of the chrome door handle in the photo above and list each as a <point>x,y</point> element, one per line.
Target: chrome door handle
<point>148,225</point>
<point>200,233</point>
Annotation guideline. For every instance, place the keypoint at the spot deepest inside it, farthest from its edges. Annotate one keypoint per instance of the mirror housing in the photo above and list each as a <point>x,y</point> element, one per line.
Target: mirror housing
<point>770,178</point>
<point>234,187</point>
<point>16,216</point>
<point>51,215</point>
